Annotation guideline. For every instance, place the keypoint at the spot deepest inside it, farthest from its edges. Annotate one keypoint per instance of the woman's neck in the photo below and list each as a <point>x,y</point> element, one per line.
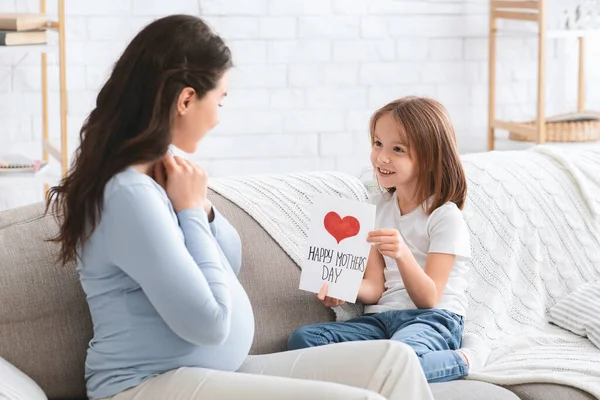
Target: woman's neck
<point>144,168</point>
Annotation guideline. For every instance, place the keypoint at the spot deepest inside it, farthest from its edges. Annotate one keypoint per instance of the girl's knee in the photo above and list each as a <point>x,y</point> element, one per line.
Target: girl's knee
<point>401,350</point>
<point>302,338</point>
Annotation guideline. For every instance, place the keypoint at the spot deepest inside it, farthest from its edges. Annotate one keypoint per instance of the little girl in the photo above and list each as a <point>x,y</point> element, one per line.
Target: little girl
<point>415,280</point>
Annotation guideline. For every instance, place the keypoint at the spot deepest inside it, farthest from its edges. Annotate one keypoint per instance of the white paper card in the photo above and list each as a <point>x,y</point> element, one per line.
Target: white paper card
<point>336,249</point>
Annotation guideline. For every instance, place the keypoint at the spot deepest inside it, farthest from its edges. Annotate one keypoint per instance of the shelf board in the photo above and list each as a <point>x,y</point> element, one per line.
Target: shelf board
<point>512,15</point>
<point>506,144</point>
<point>572,33</point>
<point>517,127</point>
<point>550,33</point>
<point>12,178</point>
<point>25,49</point>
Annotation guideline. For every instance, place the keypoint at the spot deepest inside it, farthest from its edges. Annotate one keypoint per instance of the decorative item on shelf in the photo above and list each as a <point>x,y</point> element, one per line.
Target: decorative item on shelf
<point>17,163</point>
<point>573,14</point>
<point>18,38</point>
<point>585,15</point>
<point>23,22</point>
<point>572,127</point>
<point>22,29</point>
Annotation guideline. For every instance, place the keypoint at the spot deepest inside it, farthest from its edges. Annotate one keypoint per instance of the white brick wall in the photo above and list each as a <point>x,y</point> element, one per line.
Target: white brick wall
<point>308,74</point>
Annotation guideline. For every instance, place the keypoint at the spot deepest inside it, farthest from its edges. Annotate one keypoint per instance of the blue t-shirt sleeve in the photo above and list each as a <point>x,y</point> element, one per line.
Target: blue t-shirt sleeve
<point>185,279</point>
<point>228,239</point>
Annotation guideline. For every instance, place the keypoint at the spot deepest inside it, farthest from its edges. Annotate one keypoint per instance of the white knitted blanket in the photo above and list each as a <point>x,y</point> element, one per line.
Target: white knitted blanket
<point>535,234</point>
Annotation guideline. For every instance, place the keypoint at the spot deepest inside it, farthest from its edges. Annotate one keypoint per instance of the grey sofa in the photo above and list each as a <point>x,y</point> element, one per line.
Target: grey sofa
<point>45,324</point>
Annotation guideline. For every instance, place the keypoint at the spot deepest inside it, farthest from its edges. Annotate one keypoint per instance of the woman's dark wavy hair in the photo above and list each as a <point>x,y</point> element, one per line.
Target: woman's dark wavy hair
<point>132,120</point>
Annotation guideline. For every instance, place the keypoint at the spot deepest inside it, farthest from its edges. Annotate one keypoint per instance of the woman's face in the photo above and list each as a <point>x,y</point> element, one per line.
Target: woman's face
<point>196,116</point>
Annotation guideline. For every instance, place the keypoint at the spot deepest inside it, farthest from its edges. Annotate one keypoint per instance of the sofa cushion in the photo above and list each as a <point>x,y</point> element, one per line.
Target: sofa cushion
<point>578,312</point>
<point>548,391</point>
<point>470,390</point>
<point>44,320</point>
<point>15,385</point>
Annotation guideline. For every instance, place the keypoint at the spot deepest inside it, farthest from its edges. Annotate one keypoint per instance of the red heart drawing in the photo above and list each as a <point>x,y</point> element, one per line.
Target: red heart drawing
<point>341,228</point>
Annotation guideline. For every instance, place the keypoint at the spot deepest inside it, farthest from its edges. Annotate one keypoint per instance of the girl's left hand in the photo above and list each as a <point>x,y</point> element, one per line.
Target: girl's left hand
<point>388,242</point>
<point>326,300</point>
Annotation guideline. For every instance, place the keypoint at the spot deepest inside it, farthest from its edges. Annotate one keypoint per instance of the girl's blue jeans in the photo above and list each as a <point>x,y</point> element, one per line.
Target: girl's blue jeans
<point>434,334</point>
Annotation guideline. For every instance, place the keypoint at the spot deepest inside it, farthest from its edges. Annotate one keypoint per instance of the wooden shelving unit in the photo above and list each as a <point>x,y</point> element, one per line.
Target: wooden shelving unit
<point>59,153</point>
<point>532,11</point>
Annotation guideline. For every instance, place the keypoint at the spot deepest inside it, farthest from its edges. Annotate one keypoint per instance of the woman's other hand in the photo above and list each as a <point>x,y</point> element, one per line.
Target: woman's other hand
<point>184,182</point>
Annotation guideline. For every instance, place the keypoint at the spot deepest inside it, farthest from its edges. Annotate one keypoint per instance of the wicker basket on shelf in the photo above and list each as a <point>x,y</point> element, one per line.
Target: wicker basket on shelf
<point>577,128</point>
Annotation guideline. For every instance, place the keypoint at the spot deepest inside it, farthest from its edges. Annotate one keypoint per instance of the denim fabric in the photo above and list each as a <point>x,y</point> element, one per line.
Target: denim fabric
<point>433,333</point>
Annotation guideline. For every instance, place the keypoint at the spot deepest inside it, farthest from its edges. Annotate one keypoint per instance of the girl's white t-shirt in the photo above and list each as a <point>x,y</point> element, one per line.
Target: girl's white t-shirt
<point>444,231</point>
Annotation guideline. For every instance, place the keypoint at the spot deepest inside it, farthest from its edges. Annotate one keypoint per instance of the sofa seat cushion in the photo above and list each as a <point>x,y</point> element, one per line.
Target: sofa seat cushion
<point>548,391</point>
<point>476,390</point>
<point>470,390</point>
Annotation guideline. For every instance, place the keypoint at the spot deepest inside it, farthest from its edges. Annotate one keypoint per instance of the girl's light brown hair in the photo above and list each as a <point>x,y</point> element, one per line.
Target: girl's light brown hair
<point>426,127</point>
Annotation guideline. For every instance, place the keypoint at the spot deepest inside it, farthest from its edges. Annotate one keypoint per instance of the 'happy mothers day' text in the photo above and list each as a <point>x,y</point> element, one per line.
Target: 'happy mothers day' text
<point>333,269</point>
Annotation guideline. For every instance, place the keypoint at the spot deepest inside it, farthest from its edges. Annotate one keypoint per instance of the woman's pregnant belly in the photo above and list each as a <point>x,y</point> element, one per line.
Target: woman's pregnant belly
<point>230,355</point>
<point>139,340</point>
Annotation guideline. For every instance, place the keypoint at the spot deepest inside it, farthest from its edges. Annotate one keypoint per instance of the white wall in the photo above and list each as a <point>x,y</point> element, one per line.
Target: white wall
<point>309,73</point>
